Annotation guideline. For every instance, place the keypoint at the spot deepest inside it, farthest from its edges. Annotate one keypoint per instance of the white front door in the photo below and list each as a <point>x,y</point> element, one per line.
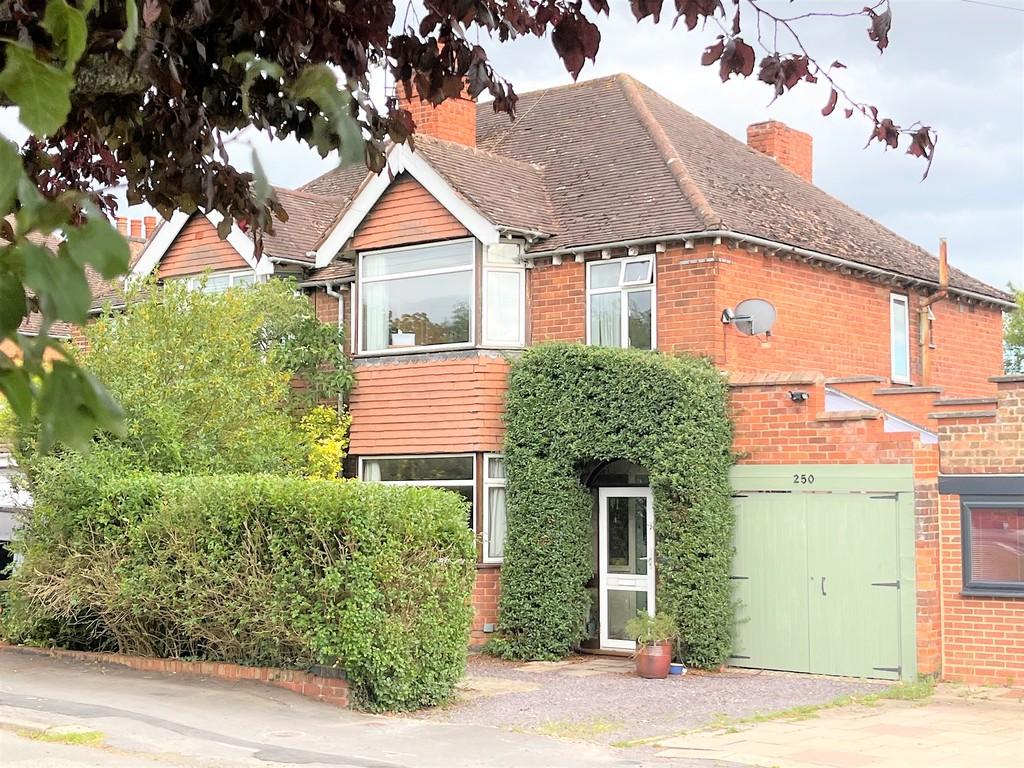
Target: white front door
<point>626,561</point>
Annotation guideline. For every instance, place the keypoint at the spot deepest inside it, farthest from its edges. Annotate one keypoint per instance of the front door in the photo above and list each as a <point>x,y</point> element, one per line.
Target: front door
<point>626,561</point>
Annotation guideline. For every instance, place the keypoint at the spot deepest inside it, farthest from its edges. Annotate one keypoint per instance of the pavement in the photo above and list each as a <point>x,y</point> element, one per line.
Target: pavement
<point>151,719</point>
<point>130,718</point>
<point>957,727</point>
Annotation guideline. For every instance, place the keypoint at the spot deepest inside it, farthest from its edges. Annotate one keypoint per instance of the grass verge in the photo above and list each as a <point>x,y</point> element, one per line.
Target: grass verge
<point>81,738</point>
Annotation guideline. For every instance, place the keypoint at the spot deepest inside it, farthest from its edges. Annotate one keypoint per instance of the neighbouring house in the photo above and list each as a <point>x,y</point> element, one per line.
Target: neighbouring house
<point>880,484</point>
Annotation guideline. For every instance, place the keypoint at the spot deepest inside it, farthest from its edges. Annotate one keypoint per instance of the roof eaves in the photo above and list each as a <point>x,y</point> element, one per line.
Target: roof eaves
<point>698,202</point>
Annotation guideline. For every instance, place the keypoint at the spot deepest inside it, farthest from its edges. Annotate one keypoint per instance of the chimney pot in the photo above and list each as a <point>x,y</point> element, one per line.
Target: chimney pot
<point>136,225</point>
<point>790,148</point>
<point>150,225</point>
<point>122,225</point>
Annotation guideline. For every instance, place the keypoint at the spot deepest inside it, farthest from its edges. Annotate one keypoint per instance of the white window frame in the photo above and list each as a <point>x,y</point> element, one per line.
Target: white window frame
<point>358,304</point>
<point>489,483</point>
<point>624,289</point>
<point>471,483</point>
<point>193,282</point>
<point>894,300</point>
<point>520,273</point>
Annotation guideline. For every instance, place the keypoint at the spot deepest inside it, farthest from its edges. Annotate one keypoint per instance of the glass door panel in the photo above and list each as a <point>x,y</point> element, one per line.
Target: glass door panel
<point>626,551</point>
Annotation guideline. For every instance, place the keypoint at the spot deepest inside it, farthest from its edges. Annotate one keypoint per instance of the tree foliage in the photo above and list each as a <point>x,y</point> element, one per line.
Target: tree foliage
<point>205,379</point>
<point>571,405</point>
<point>147,92</point>
<point>1014,337</point>
<point>251,569</point>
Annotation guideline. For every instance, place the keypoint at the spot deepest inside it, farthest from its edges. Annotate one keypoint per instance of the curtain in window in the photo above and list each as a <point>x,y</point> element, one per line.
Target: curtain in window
<point>376,318</point>
<point>371,471</point>
<point>495,522</point>
<point>503,306</point>
<point>605,319</point>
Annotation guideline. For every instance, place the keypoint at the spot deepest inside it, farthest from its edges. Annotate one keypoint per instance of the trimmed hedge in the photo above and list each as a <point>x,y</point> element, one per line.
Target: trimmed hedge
<point>569,405</point>
<point>253,569</point>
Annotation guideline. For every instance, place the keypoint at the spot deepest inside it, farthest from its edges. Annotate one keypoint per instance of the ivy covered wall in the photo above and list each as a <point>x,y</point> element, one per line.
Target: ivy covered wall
<point>569,405</point>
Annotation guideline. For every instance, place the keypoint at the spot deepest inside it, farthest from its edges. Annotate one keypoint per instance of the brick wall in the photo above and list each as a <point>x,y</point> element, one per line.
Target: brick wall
<point>453,120</point>
<point>791,148</point>
<point>982,637</point>
<point>486,591</point>
<point>557,301</point>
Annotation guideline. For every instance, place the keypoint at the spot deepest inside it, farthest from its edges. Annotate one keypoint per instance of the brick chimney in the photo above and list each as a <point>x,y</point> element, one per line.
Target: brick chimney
<point>452,120</point>
<point>790,148</point>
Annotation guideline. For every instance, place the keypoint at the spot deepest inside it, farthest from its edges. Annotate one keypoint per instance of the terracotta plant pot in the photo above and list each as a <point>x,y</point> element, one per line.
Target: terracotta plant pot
<point>652,661</point>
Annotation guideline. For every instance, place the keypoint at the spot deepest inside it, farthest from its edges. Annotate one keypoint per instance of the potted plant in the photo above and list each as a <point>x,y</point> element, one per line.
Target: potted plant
<point>654,639</point>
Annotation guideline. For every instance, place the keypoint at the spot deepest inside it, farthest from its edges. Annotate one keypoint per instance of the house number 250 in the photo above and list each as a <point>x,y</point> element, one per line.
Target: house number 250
<point>801,479</point>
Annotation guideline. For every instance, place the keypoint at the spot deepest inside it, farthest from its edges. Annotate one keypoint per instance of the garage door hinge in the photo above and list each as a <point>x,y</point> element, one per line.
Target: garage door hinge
<point>734,656</point>
<point>886,584</point>
<point>897,670</point>
<point>739,577</point>
<point>739,495</point>
<point>889,496</point>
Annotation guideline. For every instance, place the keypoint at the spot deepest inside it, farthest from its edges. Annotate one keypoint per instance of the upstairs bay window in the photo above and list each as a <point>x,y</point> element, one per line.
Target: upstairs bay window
<point>620,303</point>
<point>425,297</point>
<point>218,282</point>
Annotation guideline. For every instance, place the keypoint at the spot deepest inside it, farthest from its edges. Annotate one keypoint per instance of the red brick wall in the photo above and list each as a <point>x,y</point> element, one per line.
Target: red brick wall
<point>982,637</point>
<point>791,148</point>
<point>557,301</point>
<point>486,592</point>
<point>453,120</point>
<point>447,405</point>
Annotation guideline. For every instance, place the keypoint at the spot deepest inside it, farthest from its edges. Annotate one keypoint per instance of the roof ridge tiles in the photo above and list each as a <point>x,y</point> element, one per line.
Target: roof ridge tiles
<point>705,213</point>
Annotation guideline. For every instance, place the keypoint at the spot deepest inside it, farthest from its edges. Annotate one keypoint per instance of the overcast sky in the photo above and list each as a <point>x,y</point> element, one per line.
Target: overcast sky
<point>953,64</point>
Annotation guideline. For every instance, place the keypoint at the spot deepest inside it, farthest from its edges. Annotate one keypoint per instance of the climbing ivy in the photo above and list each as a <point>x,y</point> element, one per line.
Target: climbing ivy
<point>570,405</point>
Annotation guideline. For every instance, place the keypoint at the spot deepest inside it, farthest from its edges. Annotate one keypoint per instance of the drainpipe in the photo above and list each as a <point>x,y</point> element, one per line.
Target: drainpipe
<point>329,289</point>
<point>924,311</point>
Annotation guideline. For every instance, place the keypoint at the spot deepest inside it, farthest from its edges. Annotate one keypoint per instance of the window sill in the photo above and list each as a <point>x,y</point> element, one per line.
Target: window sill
<point>487,566</point>
<point>1009,594</point>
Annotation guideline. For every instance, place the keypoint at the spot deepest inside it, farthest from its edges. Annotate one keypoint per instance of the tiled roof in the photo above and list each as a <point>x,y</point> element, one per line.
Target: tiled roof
<point>611,160</point>
<point>336,270</point>
<point>309,216</point>
<point>32,324</point>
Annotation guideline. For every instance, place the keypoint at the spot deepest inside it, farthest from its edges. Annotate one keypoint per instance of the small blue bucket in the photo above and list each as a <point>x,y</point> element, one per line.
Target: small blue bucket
<point>676,669</point>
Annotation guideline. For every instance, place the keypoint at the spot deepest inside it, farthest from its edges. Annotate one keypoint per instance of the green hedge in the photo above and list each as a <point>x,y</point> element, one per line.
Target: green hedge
<point>569,405</point>
<point>253,569</point>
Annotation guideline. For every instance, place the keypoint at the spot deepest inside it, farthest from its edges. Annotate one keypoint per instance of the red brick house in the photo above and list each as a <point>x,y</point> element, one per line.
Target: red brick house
<point>606,214</point>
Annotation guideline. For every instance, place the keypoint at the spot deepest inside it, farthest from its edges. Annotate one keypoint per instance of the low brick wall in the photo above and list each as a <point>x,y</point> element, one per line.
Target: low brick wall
<point>333,690</point>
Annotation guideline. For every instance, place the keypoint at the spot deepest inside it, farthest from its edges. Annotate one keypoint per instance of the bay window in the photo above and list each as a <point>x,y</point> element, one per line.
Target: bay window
<point>454,473</point>
<point>494,508</point>
<point>504,296</point>
<point>420,296</point>
<point>621,302</point>
<point>218,282</point>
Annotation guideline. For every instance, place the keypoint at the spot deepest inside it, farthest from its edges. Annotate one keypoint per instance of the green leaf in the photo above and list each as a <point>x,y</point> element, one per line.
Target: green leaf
<point>57,281</point>
<point>66,26</point>
<point>96,242</point>
<point>131,26</point>
<point>72,406</point>
<point>254,67</point>
<point>319,83</point>
<point>10,173</point>
<point>40,90</point>
<point>12,304</point>
<point>16,386</point>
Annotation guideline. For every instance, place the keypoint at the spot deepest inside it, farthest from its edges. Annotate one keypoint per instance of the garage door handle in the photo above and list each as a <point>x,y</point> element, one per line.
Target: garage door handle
<point>823,592</point>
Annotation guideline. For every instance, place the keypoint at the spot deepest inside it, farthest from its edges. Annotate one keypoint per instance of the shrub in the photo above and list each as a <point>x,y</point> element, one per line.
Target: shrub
<point>252,569</point>
<point>569,405</point>
<point>326,435</point>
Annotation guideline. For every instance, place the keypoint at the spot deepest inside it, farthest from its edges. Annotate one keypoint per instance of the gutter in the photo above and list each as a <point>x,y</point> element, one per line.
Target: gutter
<point>284,260</point>
<point>780,248</point>
<point>326,282</point>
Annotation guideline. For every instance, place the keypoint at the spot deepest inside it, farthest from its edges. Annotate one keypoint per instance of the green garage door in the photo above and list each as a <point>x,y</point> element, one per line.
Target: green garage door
<point>817,582</point>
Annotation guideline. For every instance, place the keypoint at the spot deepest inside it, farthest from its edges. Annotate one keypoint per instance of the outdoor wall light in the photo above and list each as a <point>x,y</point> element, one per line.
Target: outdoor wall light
<point>798,395</point>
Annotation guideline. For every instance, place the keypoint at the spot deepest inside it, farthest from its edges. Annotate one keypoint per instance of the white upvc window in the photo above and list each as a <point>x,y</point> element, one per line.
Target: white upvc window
<point>899,337</point>
<point>453,472</point>
<point>494,508</point>
<point>504,291</point>
<point>218,282</point>
<point>621,303</point>
<point>417,297</point>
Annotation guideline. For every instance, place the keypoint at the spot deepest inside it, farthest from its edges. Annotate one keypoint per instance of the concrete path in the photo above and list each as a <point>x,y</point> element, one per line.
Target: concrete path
<point>151,719</point>
<point>956,728</point>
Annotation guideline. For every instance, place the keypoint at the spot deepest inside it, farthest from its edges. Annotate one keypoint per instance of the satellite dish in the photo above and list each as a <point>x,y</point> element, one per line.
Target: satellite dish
<point>753,317</point>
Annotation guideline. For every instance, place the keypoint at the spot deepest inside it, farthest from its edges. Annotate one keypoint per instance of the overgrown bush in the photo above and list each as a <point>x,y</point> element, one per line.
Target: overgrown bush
<point>326,435</point>
<point>569,405</point>
<point>255,570</point>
